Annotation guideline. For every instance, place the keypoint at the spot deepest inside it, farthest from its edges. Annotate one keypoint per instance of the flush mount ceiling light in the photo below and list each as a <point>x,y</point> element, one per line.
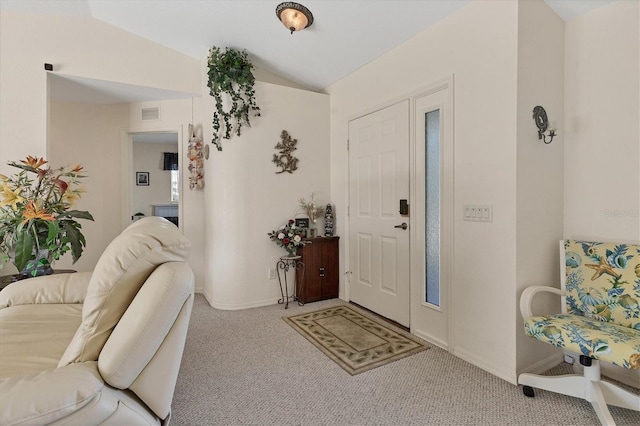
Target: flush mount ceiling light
<point>294,16</point>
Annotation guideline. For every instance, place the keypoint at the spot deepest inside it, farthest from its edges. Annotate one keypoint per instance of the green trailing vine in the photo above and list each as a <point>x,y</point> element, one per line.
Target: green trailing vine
<point>230,72</point>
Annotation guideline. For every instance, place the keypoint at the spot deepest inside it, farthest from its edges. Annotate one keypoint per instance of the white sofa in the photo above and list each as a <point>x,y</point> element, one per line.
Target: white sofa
<point>101,347</point>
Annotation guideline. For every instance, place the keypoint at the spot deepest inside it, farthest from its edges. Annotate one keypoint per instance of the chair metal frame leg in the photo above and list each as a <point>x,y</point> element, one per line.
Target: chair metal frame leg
<point>588,387</point>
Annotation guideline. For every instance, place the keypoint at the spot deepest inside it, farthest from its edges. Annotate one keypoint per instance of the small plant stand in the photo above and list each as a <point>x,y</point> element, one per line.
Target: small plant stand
<point>283,266</point>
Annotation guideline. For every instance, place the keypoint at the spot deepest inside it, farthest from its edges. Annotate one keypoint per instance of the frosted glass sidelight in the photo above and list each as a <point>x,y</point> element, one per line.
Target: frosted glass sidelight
<point>432,206</point>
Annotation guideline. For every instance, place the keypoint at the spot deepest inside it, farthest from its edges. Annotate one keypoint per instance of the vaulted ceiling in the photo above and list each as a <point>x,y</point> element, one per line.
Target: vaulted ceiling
<point>345,35</point>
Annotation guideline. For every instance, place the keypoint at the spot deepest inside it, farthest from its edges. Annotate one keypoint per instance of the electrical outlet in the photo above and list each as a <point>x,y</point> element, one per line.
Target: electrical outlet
<point>272,273</point>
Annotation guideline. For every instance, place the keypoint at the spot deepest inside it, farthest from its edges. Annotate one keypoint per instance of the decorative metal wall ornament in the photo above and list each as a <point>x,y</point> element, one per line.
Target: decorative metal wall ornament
<point>284,159</point>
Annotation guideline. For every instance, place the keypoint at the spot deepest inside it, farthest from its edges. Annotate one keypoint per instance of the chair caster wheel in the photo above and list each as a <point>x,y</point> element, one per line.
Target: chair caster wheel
<point>528,391</point>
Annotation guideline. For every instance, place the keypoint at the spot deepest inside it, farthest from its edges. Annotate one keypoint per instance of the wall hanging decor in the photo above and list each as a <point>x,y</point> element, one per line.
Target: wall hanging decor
<point>196,154</point>
<point>284,159</point>
<point>545,127</point>
<point>142,178</point>
<point>230,73</point>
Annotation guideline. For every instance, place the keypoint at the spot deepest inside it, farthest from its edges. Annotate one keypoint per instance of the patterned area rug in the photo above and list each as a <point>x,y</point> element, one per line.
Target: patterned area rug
<point>355,342</point>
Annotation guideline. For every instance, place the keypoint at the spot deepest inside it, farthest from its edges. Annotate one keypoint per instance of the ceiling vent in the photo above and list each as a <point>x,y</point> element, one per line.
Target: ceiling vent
<point>150,113</point>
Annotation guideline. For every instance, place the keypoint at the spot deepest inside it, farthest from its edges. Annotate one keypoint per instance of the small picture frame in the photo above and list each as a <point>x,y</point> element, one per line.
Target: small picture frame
<point>142,178</point>
<point>302,223</point>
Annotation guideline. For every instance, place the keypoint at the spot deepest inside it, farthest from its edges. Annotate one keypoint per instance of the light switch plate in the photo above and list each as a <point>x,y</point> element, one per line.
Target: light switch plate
<point>478,212</point>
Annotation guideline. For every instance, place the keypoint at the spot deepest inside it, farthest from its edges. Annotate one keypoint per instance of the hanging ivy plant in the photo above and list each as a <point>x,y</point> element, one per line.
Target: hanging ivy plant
<point>230,72</point>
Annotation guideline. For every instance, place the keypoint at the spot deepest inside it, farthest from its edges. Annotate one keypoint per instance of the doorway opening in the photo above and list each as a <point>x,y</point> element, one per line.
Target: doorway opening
<point>155,158</point>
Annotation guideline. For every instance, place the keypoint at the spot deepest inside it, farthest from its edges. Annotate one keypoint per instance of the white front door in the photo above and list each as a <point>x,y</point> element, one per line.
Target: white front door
<point>379,243</point>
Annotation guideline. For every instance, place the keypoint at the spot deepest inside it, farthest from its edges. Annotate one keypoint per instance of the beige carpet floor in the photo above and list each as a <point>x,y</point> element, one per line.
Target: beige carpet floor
<point>250,368</point>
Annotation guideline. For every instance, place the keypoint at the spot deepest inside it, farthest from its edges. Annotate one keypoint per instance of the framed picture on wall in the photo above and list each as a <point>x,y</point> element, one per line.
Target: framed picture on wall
<point>142,178</point>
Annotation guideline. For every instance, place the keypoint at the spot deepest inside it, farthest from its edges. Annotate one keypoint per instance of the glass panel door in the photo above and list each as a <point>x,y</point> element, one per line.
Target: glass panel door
<point>432,207</point>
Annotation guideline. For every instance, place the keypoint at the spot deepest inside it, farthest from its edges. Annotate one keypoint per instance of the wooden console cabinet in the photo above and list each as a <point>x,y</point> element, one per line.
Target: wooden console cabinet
<point>321,272</point>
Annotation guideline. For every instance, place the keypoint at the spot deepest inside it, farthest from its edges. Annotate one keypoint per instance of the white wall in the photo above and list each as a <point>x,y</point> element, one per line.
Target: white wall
<point>602,142</point>
<point>97,137</point>
<point>245,198</point>
<point>497,155</point>
<point>540,169</point>
<point>76,46</point>
<point>148,157</point>
<point>478,45</point>
<point>90,135</point>
<point>242,185</point>
<point>89,48</point>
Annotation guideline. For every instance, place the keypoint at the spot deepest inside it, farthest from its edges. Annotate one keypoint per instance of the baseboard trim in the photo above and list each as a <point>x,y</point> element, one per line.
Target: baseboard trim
<point>231,307</point>
<point>429,338</point>
<point>628,377</point>
<point>544,364</point>
<point>480,363</point>
<point>471,358</point>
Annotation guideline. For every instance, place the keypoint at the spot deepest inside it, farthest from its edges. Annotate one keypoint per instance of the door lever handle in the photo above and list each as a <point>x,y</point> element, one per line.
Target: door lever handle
<point>403,225</point>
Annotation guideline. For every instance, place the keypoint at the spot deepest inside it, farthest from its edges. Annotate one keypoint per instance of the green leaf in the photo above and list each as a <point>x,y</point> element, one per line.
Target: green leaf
<point>54,230</point>
<point>77,214</point>
<point>23,248</point>
<point>75,239</point>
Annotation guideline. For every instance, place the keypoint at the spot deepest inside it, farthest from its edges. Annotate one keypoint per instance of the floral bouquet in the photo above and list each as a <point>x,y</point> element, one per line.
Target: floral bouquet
<point>37,223</point>
<point>288,236</point>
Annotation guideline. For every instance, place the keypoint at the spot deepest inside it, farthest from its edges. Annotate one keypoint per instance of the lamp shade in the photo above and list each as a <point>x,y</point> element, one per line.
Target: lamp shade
<point>294,16</point>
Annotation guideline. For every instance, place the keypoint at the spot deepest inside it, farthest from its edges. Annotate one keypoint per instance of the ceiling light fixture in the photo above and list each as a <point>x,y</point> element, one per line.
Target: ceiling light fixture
<point>294,16</point>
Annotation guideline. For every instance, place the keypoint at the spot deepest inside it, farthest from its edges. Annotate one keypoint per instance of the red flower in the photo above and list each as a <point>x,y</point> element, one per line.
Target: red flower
<point>286,241</point>
<point>42,173</point>
<point>60,184</point>
<point>291,221</point>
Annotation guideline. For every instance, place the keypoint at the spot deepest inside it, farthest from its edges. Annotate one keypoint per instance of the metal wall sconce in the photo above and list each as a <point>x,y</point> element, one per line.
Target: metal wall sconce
<point>540,117</point>
<point>294,16</point>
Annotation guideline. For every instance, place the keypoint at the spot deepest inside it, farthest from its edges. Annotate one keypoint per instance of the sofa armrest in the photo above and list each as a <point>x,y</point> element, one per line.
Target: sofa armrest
<point>56,288</point>
<point>527,297</point>
<point>50,395</point>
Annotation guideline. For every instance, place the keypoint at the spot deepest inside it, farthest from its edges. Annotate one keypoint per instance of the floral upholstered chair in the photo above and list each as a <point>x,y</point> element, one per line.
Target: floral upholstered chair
<point>600,321</point>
